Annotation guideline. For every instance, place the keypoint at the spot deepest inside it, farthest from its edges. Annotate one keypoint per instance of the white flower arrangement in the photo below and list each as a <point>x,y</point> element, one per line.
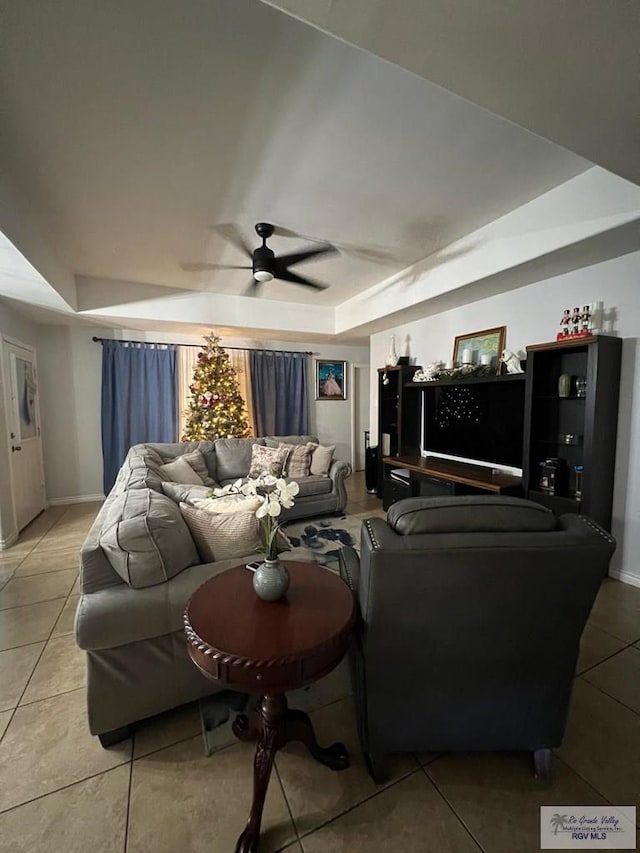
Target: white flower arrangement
<point>274,494</point>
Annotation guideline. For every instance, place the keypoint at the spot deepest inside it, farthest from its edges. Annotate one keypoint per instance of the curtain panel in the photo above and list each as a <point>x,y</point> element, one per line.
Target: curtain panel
<point>280,392</point>
<point>139,400</point>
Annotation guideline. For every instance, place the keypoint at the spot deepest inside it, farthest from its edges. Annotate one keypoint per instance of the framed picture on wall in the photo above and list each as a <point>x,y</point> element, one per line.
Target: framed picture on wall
<point>484,348</point>
<point>331,380</point>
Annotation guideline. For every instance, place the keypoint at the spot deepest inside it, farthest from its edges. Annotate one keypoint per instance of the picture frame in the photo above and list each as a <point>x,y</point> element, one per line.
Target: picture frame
<point>331,380</point>
<point>487,342</point>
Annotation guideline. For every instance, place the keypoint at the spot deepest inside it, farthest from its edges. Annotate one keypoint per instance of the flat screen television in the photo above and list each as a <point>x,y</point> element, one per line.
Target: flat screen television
<point>478,421</point>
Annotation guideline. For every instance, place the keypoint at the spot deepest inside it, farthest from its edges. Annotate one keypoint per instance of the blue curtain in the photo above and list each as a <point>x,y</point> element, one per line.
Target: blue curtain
<point>279,391</point>
<point>139,400</point>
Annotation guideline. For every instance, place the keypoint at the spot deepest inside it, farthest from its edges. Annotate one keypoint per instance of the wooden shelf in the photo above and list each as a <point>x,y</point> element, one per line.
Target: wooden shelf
<point>455,472</point>
<point>468,380</point>
<point>571,342</point>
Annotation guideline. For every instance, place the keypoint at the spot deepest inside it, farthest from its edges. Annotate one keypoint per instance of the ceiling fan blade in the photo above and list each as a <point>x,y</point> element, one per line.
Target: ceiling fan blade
<point>287,275</point>
<point>367,253</point>
<point>232,234</point>
<point>252,288</point>
<point>200,267</point>
<point>284,261</point>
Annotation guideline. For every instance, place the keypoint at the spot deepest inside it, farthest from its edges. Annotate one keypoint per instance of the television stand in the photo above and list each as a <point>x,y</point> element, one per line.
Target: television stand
<point>433,477</point>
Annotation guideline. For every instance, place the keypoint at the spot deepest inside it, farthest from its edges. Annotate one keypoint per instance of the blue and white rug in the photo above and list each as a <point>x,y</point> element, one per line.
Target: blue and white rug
<point>324,537</point>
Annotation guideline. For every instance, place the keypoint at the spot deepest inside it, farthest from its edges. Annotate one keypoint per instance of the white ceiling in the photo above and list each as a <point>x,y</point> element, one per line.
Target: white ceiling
<point>133,127</point>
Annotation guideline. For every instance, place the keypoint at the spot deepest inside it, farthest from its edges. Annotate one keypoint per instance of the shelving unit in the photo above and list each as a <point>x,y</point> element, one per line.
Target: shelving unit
<point>398,416</point>
<point>590,420</point>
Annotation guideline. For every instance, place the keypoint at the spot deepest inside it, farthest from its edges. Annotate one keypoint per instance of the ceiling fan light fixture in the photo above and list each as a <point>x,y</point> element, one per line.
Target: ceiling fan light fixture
<point>263,275</point>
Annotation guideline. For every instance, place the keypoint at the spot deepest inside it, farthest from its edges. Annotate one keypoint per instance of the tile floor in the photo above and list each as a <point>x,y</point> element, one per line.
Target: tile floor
<point>60,792</point>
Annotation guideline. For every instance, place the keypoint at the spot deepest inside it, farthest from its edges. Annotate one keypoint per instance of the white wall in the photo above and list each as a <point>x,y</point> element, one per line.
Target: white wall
<point>14,326</point>
<point>70,380</point>
<point>532,316</point>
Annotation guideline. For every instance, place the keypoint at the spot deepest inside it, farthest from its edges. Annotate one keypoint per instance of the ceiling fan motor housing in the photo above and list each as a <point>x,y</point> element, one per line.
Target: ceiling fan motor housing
<point>263,260</point>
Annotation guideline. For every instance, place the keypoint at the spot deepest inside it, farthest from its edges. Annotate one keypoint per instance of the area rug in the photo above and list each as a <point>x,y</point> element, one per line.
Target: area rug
<point>323,537</point>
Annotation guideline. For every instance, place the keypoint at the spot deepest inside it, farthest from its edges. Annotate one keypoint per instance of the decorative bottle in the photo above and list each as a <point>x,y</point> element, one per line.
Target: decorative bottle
<point>392,357</point>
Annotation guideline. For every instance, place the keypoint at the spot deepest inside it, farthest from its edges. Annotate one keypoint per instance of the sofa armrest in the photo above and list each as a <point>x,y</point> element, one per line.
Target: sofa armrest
<point>349,563</point>
<point>338,473</point>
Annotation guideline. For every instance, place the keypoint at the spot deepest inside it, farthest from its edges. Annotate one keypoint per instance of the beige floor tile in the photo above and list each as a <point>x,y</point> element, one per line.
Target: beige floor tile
<point>410,817</point>
<point>6,573</point>
<point>36,529</point>
<point>89,815</point>
<point>30,590</point>
<point>314,792</point>
<point>75,590</point>
<point>23,625</point>
<point>16,665</point>
<point>5,716</point>
<point>617,610</point>
<point>619,677</point>
<point>497,796</point>
<point>602,742</point>
<point>60,669</point>
<point>65,623</point>
<point>50,744</point>
<point>166,729</point>
<point>181,800</point>
<point>595,646</point>
<point>41,561</point>
<point>61,541</point>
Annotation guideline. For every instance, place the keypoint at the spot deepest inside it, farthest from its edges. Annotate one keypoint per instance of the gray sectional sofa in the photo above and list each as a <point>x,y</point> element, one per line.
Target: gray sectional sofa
<point>139,566</point>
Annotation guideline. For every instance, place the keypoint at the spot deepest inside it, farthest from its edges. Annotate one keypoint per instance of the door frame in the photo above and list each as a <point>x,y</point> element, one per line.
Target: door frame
<point>7,380</point>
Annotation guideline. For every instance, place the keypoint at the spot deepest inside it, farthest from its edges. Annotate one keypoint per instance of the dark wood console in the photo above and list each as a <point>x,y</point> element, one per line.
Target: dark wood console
<point>432,476</point>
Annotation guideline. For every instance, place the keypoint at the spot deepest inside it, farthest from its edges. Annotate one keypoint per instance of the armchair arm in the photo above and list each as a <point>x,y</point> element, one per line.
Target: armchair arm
<point>338,473</point>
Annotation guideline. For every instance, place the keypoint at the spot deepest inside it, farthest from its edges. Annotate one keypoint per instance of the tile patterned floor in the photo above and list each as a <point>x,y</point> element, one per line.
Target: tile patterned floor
<point>60,791</point>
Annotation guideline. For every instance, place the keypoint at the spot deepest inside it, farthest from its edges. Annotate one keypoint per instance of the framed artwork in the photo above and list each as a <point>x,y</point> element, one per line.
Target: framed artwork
<point>483,347</point>
<point>331,380</point>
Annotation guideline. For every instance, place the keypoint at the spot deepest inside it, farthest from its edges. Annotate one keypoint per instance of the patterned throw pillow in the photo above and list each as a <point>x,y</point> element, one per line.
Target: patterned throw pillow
<point>222,536</point>
<point>266,460</point>
<point>321,459</point>
<point>299,459</point>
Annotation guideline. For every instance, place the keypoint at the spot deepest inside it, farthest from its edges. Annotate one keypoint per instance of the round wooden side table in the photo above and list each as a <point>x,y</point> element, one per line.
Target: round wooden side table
<point>269,648</point>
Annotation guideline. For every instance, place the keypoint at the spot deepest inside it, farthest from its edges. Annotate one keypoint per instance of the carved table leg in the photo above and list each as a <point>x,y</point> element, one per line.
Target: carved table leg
<point>297,726</point>
<point>272,711</point>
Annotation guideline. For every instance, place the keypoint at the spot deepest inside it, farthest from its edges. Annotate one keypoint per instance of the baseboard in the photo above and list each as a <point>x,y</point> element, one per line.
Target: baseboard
<point>75,499</point>
<point>11,539</point>
<point>625,577</point>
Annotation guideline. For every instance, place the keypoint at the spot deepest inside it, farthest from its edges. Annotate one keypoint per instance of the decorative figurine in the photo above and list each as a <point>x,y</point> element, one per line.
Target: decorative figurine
<point>511,361</point>
<point>564,322</point>
<point>586,318</point>
<point>429,373</point>
<point>575,321</point>
<point>392,357</point>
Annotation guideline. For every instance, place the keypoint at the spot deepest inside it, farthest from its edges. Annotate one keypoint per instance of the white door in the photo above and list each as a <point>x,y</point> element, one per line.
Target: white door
<point>25,444</point>
<point>360,413</point>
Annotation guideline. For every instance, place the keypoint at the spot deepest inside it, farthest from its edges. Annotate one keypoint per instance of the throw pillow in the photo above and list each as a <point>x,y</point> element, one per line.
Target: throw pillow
<point>179,471</point>
<point>298,459</point>
<point>197,462</point>
<point>186,492</point>
<point>321,459</point>
<point>222,536</point>
<point>227,504</point>
<point>266,460</point>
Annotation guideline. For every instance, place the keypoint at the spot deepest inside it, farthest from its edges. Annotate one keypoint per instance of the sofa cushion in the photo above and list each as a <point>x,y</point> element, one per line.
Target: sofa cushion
<point>233,457</point>
<point>275,440</point>
<point>186,492</point>
<point>469,514</point>
<point>228,504</point>
<point>222,536</point>
<point>145,538</point>
<point>179,471</point>
<point>298,460</point>
<point>267,460</point>
<point>313,485</point>
<point>321,457</point>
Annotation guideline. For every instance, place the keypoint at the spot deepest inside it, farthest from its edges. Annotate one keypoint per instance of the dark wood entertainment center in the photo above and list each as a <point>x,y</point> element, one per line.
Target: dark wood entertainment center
<point>578,426</point>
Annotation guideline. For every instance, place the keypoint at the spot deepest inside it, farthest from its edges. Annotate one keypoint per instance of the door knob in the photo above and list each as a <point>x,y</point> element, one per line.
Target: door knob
<point>14,449</point>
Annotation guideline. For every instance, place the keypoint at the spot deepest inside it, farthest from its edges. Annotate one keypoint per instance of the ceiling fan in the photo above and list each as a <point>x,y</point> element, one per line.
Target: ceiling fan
<point>265,264</point>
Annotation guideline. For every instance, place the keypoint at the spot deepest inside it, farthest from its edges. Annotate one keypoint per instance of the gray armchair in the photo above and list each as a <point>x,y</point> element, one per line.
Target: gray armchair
<point>471,612</point>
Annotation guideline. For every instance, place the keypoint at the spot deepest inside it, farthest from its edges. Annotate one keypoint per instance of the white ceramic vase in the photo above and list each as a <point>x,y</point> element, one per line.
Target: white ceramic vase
<point>392,358</point>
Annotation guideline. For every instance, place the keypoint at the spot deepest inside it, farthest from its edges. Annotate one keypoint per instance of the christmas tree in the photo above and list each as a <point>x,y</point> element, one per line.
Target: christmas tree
<point>216,409</point>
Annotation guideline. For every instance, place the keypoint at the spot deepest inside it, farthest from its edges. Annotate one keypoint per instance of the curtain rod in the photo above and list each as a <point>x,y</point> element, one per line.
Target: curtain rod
<point>199,346</point>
